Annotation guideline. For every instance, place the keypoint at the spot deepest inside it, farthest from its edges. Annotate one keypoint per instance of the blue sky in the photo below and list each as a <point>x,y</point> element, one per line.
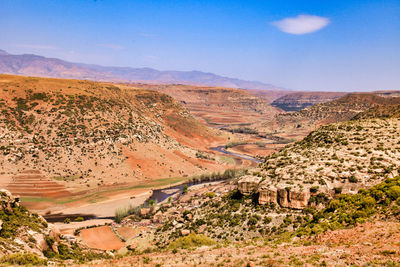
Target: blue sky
<point>304,45</point>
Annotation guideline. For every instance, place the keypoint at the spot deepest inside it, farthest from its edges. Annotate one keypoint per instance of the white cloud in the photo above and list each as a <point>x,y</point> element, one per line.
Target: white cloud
<point>301,24</point>
<point>112,46</point>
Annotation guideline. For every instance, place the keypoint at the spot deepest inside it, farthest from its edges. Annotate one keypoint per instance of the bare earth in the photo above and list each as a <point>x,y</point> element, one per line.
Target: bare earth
<point>101,237</point>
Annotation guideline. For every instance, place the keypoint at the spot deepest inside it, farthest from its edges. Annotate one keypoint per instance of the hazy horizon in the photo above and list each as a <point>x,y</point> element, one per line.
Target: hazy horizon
<point>298,45</point>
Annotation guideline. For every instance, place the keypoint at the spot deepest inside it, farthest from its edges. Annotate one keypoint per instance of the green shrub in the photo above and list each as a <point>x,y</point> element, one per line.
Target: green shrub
<point>210,194</point>
<point>338,190</point>
<point>79,219</point>
<point>19,217</point>
<point>394,192</point>
<point>22,259</point>
<point>346,209</point>
<point>353,179</point>
<point>185,189</point>
<point>191,240</point>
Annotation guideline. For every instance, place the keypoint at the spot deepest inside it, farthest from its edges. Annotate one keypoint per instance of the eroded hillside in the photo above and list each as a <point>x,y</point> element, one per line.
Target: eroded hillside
<point>91,134</point>
<point>219,105</point>
<point>341,157</point>
<point>300,100</point>
<point>303,121</point>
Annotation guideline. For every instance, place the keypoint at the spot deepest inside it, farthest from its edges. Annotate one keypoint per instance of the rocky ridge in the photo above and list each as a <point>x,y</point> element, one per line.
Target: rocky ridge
<point>300,100</point>
<point>310,118</point>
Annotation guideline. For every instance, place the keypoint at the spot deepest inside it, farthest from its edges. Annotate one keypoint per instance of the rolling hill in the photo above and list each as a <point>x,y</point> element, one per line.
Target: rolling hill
<point>86,134</point>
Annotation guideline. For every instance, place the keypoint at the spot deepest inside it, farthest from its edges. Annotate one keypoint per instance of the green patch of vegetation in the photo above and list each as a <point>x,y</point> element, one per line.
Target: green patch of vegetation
<point>201,155</point>
<point>347,210</point>
<point>122,212</point>
<point>73,252</point>
<point>22,259</point>
<point>244,130</point>
<point>66,178</point>
<point>227,160</point>
<point>216,176</point>
<point>233,144</point>
<point>36,199</point>
<point>79,219</point>
<point>191,241</point>
<point>96,198</point>
<point>159,182</point>
<point>17,218</point>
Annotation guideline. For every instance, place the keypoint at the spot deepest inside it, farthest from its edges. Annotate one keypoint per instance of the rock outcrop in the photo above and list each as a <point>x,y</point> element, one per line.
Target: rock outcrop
<point>268,195</point>
<point>7,201</point>
<point>284,197</point>
<point>298,200</point>
<point>248,184</point>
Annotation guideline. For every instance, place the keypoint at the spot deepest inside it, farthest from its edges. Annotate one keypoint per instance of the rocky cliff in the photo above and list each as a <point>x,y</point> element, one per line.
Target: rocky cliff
<point>300,100</point>
<point>279,195</point>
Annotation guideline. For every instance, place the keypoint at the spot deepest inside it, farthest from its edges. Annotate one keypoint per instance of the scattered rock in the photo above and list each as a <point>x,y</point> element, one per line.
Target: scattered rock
<point>122,251</point>
<point>202,228</point>
<point>158,218</point>
<point>185,232</point>
<point>144,211</point>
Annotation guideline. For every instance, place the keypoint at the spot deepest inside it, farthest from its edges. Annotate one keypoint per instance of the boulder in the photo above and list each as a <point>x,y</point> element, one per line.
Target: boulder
<point>158,217</point>
<point>132,246</point>
<point>189,217</point>
<point>6,193</point>
<point>144,211</point>
<point>202,228</point>
<point>185,232</point>
<point>248,184</point>
<point>54,232</point>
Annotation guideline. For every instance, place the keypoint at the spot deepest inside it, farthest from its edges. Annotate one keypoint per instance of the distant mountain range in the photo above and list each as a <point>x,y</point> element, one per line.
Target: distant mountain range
<point>34,65</point>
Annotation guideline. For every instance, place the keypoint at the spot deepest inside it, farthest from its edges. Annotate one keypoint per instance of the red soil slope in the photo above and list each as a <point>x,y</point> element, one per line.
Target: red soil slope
<point>101,238</point>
